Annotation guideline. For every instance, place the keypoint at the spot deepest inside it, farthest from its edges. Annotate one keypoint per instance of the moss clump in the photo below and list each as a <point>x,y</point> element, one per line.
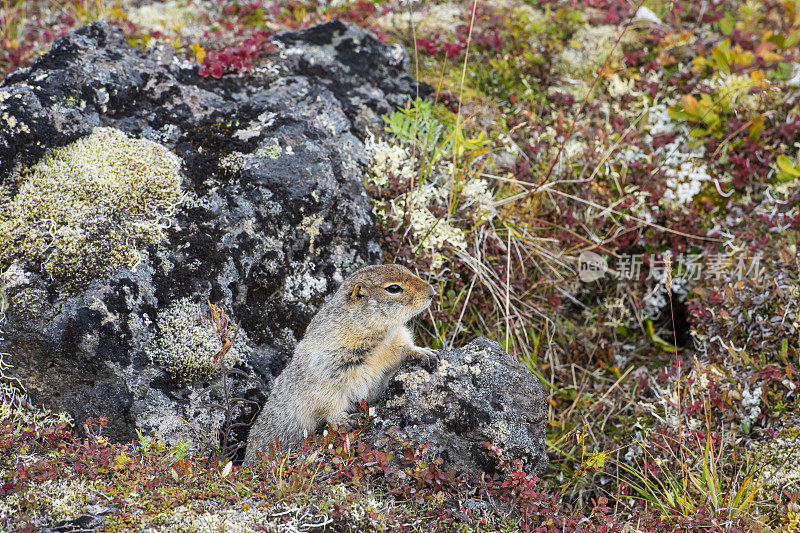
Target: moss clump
<point>188,342</point>
<point>84,210</point>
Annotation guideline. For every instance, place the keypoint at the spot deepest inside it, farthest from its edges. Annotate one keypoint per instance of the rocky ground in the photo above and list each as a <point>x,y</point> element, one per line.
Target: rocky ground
<point>607,189</point>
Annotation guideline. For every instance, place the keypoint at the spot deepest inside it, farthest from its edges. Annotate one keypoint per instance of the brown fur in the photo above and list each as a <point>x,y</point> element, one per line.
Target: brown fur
<point>351,349</point>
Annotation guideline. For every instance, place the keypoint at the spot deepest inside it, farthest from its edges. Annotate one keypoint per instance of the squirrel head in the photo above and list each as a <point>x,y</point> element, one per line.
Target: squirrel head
<point>385,296</point>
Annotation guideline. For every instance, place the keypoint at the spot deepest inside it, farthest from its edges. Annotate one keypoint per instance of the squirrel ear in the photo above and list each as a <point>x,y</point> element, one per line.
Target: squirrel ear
<point>357,293</point>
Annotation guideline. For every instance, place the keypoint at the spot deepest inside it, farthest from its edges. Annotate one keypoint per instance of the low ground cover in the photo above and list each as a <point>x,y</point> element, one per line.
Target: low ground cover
<point>609,189</point>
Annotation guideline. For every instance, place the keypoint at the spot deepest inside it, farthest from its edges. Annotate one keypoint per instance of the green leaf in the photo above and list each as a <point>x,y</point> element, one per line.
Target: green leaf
<point>792,39</point>
<point>722,60</point>
<point>777,39</point>
<point>712,120</point>
<point>727,23</point>
<point>707,101</point>
<point>782,72</point>
<point>657,341</point>
<point>676,113</point>
<point>756,127</point>
<point>787,165</point>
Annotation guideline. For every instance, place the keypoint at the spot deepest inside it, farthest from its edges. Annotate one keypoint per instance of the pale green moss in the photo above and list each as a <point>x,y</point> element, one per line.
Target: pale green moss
<point>187,342</point>
<point>84,210</point>
<point>272,151</point>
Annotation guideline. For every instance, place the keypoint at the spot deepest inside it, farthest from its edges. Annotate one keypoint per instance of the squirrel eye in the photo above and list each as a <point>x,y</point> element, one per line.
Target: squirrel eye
<point>394,288</point>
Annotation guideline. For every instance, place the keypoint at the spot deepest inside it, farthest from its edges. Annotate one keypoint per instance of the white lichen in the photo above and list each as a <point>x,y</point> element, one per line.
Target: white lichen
<point>589,48</point>
<point>233,162</point>
<point>55,500</point>
<point>171,15</point>
<point>16,405</point>
<point>389,160</point>
<point>251,516</point>
<point>778,456</point>
<point>434,234</point>
<point>682,167</point>
<point>751,405</point>
<point>685,173</point>
<point>735,90</point>
<point>302,287</point>
<point>430,19</point>
<point>392,163</point>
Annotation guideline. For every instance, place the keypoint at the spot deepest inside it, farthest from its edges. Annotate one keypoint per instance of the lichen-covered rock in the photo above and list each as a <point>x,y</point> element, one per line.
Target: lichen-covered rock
<point>252,199</point>
<point>478,394</point>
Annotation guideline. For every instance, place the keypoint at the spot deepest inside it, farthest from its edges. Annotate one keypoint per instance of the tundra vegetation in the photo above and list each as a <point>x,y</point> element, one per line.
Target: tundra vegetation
<point>609,189</point>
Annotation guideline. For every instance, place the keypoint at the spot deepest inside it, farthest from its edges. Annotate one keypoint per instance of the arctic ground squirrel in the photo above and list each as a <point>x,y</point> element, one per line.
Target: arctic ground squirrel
<point>350,351</point>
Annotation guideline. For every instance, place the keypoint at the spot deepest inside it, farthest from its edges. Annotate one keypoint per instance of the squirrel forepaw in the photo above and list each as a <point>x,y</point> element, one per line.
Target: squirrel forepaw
<point>344,420</point>
<point>427,356</point>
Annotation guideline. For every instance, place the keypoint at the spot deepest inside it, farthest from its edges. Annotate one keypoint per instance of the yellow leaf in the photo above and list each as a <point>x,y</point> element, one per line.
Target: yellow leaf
<point>756,127</point>
<point>689,104</point>
<point>759,78</point>
<point>771,56</point>
<point>742,57</point>
<point>199,52</point>
<point>596,460</point>
<point>117,13</point>
<point>120,460</point>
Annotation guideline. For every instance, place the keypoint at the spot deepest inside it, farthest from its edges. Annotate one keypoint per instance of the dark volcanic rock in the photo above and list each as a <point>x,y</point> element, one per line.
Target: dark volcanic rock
<point>274,214</point>
<point>370,80</point>
<point>477,394</point>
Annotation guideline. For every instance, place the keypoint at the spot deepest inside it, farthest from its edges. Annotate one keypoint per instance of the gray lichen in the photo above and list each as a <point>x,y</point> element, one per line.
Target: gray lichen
<point>476,394</point>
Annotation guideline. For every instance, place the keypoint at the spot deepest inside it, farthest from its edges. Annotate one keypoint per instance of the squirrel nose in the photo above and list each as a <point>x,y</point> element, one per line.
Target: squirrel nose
<point>431,292</point>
